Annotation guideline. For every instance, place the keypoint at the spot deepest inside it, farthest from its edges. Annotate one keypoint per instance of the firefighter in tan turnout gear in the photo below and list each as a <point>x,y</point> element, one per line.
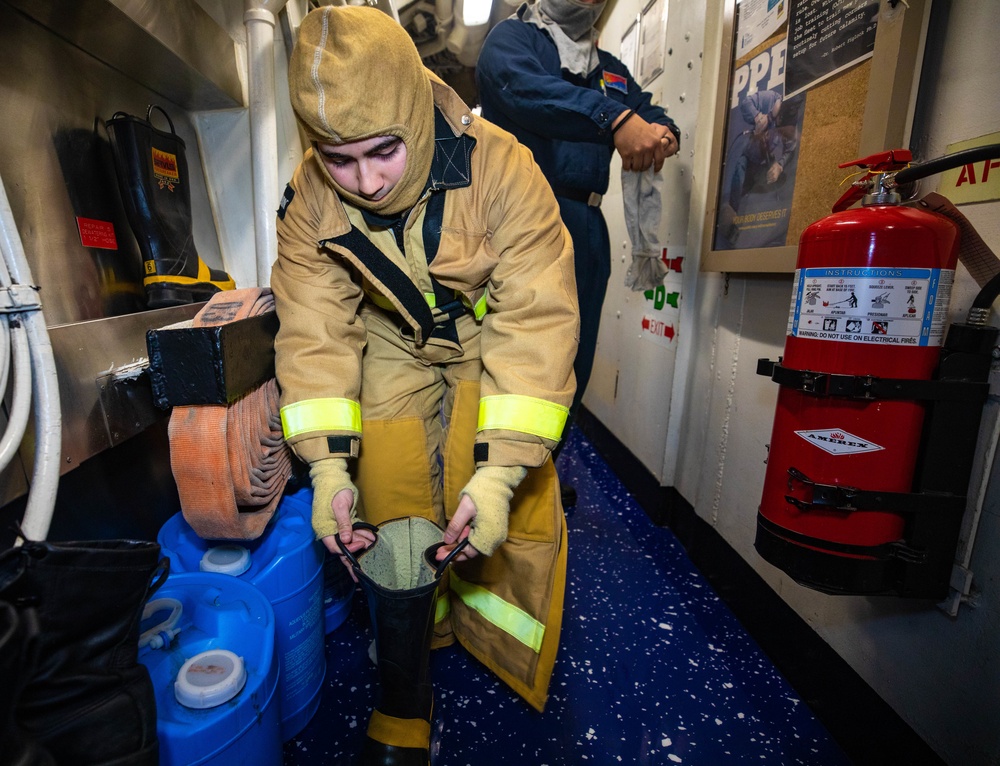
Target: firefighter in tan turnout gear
<point>429,321</point>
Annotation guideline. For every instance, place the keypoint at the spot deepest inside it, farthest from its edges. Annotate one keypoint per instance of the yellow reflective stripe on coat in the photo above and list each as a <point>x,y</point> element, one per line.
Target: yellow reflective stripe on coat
<point>522,413</point>
<point>504,615</point>
<point>479,310</point>
<point>384,303</point>
<point>320,415</point>
<point>381,301</point>
<point>442,607</point>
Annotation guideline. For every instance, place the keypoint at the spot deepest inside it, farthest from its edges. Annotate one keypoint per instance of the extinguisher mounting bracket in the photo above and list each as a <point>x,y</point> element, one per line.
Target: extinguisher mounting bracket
<point>897,549</point>
<point>840,497</point>
<point>869,387</point>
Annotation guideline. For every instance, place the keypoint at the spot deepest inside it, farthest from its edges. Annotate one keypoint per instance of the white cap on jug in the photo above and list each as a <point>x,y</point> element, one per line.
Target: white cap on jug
<point>210,679</point>
<point>227,559</point>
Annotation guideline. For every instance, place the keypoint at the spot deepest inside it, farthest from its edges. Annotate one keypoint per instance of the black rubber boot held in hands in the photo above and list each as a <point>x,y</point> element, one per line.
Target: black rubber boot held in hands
<point>152,174</point>
<point>399,576</point>
<point>87,701</point>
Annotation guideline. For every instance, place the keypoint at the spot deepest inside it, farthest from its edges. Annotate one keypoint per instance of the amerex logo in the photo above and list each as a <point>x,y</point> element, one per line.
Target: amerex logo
<point>837,441</point>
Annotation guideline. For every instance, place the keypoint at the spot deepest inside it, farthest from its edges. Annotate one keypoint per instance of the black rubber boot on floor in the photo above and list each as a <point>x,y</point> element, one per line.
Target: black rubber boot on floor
<point>88,702</point>
<point>401,586</point>
<point>18,649</point>
<point>153,179</point>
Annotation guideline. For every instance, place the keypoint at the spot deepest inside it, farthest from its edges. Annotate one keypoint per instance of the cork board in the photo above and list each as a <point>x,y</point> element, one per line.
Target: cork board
<point>756,210</point>
<point>831,133</point>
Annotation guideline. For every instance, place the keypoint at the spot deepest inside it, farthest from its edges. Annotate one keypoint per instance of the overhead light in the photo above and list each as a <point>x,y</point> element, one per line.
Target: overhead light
<point>476,12</point>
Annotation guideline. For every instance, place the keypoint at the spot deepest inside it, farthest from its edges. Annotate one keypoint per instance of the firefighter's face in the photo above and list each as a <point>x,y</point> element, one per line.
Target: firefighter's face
<point>369,168</point>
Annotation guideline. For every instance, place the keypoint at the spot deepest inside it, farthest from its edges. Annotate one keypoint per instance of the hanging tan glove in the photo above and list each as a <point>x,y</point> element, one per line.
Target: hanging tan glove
<point>329,476</point>
<point>491,489</point>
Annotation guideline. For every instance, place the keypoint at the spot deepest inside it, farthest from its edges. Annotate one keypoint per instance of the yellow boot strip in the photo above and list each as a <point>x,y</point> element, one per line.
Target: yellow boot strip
<point>399,732</point>
<point>204,277</point>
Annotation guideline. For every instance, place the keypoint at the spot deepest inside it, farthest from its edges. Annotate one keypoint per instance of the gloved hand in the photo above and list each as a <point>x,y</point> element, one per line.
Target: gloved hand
<point>329,476</point>
<point>491,489</point>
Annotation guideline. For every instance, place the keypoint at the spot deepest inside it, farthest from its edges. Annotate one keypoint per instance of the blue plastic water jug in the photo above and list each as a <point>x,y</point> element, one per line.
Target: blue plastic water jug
<point>208,643</point>
<point>338,587</point>
<point>286,564</point>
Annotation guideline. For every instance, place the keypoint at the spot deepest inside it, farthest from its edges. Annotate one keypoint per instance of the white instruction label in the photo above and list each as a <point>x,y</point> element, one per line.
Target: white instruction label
<point>895,306</point>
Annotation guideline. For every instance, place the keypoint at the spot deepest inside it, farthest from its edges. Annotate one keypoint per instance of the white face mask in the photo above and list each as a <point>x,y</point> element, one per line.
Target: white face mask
<point>576,18</point>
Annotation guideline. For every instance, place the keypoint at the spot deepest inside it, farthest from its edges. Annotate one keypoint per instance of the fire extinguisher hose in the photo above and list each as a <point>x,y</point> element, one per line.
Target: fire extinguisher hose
<point>981,262</point>
<point>230,462</point>
<point>947,162</point>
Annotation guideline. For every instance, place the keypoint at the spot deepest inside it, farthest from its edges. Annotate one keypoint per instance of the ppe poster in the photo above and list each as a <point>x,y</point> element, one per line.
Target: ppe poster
<point>761,155</point>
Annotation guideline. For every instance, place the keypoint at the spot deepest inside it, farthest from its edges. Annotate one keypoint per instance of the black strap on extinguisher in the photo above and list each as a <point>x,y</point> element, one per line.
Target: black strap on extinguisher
<point>841,497</point>
<point>894,550</point>
<point>870,387</point>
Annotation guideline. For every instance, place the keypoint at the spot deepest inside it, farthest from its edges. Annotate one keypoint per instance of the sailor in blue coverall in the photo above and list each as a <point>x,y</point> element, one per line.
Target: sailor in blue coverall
<point>572,123</point>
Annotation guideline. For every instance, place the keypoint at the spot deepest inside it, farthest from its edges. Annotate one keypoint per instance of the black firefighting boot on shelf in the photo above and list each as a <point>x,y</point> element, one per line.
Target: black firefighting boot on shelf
<point>18,650</point>
<point>88,702</point>
<point>400,577</point>
<point>155,187</point>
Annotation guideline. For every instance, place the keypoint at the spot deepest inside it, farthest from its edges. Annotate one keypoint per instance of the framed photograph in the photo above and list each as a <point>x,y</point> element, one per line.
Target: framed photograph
<point>652,41</point>
<point>630,45</point>
<point>794,103</point>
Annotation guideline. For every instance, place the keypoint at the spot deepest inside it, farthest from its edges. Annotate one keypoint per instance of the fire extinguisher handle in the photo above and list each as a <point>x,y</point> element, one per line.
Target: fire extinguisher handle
<point>883,162</point>
<point>894,159</point>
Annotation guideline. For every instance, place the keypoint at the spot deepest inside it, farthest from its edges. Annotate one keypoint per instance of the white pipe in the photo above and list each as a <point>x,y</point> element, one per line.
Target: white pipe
<point>443,16</point>
<point>48,431</point>
<point>259,19</point>
<point>20,403</point>
<point>4,337</point>
<point>45,387</point>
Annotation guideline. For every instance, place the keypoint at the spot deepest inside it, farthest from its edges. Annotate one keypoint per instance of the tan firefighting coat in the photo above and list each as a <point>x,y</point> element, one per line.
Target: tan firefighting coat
<point>503,248</point>
<point>501,235</point>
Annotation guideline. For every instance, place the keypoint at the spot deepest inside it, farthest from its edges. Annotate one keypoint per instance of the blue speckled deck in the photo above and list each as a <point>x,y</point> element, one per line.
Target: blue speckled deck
<point>652,669</point>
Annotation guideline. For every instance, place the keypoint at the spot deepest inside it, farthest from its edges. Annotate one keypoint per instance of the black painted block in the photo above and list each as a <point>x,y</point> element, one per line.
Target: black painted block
<point>211,365</point>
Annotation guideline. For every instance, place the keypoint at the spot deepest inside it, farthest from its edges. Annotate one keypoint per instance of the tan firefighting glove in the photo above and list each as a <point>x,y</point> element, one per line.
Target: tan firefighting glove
<point>491,488</point>
<point>329,476</point>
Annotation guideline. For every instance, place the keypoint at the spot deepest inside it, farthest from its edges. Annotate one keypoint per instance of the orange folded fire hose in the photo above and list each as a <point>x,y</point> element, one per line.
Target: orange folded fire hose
<point>230,462</point>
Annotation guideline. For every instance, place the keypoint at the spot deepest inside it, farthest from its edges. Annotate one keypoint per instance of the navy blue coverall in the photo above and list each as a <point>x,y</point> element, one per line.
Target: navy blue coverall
<point>566,122</point>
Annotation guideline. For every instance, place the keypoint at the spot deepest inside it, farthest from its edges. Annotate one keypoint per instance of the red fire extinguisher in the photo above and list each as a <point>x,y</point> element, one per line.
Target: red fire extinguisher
<point>869,301</point>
